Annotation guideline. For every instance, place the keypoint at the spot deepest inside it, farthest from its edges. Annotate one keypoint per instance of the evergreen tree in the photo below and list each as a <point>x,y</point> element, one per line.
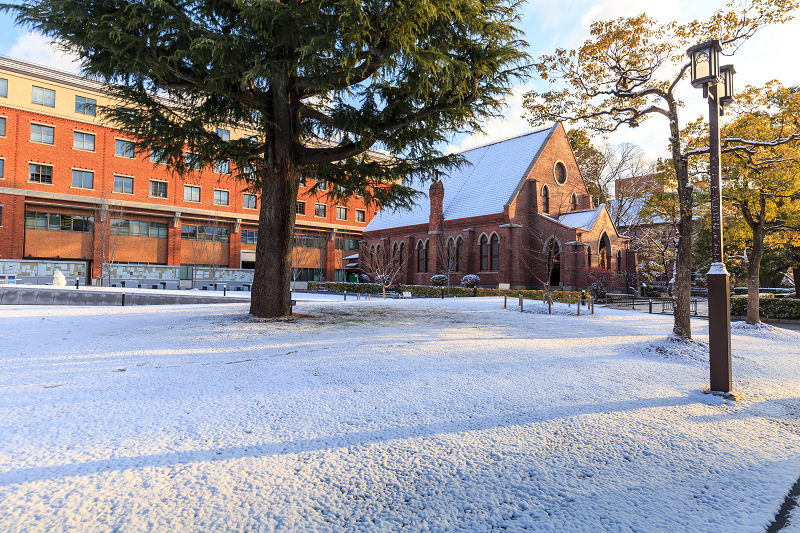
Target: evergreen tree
<point>322,82</point>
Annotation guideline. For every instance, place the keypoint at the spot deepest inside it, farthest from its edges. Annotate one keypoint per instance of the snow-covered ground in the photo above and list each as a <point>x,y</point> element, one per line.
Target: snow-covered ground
<point>372,415</point>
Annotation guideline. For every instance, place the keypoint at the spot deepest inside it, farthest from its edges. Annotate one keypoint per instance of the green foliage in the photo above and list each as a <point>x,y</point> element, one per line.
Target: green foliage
<point>330,79</point>
<point>427,291</point>
<point>769,306</point>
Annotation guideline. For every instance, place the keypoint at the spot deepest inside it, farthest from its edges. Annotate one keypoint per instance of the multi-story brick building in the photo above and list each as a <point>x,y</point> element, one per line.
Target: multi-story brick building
<point>71,188</point>
<point>517,215</point>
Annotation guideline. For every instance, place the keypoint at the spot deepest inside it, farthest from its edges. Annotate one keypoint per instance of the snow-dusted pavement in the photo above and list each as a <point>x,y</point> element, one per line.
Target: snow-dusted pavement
<point>372,415</point>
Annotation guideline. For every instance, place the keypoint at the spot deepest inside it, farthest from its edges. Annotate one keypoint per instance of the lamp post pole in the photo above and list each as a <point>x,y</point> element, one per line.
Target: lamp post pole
<point>717,85</point>
<point>719,296</point>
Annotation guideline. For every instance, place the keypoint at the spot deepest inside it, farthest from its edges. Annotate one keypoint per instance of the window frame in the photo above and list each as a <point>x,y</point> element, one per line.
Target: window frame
<point>187,188</point>
<point>223,134</point>
<point>4,87</point>
<point>558,166</point>
<point>41,133</point>
<point>227,197</point>
<point>324,210</point>
<point>159,183</point>
<point>2,168</point>
<point>41,165</point>
<point>84,133</point>
<point>341,209</point>
<point>5,125</point>
<point>300,208</point>
<point>83,171</point>
<point>126,144</point>
<point>245,197</point>
<point>192,160</point>
<point>125,179</point>
<point>43,101</point>
<point>86,105</point>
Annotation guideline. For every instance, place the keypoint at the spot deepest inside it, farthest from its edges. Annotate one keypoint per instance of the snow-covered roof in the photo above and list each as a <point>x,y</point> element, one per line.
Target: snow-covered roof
<point>581,219</point>
<point>483,186</point>
<point>354,256</point>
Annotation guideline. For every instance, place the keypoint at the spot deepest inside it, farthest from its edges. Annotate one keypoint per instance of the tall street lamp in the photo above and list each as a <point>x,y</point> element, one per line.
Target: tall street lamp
<point>717,85</point>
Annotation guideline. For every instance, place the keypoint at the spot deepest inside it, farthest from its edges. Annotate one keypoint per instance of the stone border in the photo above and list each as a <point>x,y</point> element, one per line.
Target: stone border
<point>14,295</point>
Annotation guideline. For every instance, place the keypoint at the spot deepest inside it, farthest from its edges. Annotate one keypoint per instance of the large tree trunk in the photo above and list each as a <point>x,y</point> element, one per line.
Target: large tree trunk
<point>682,326</point>
<point>796,277</point>
<point>753,267</point>
<point>271,292</point>
<point>756,221</point>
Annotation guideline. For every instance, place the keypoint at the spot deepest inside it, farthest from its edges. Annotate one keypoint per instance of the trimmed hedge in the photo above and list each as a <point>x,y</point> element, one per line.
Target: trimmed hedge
<point>427,291</point>
<point>769,307</point>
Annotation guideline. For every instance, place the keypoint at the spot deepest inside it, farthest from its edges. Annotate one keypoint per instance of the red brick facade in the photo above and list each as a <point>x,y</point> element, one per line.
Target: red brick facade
<point>19,194</point>
<point>521,230</point>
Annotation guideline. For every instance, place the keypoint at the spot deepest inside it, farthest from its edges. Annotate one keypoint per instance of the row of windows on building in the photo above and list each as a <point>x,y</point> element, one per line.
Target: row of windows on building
<point>47,97</point>
<point>321,210</point>
<point>85,224</point>
<point>84,179</point>
<point>489,248</point>
<point>190,232</point>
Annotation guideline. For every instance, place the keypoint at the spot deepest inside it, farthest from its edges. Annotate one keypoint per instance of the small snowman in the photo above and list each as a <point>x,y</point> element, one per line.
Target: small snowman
<point>58,279</point>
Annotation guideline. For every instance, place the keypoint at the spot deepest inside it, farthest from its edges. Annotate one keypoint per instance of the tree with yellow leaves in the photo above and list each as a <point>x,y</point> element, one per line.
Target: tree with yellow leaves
<point>762,179</point>
<point>626,72</point>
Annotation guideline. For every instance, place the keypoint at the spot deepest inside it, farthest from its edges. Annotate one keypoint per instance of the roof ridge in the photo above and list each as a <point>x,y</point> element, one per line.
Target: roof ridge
<point>507,139</point>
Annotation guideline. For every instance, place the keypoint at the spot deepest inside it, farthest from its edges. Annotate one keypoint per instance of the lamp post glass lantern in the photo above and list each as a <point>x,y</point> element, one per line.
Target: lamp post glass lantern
<point>705,63</point>
<point>717,85</point>
<point>726,73</point>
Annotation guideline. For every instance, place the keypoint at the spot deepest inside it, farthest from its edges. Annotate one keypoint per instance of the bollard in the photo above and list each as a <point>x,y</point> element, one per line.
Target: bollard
<point>345,296</point>
<point>592,305</point>
<point>520,303</point>
<point>549,306</point>
<point>224,290</point>
<point>443,294</point>
<point>650,305</point>
<point>579,306</point>
<point>474,291</point>
<point>77,283</point>
<point>505,302</point>
<point>123,299</point>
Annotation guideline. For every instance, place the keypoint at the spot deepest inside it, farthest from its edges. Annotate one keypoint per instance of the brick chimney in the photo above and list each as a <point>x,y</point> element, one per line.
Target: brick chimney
<point>436,195</point>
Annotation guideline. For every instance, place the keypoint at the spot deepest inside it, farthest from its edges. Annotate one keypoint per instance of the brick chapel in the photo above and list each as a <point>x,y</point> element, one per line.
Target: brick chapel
<point>518,215</point>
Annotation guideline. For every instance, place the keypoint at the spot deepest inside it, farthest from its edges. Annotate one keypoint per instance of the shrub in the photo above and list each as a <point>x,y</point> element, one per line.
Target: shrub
<point>769,307</point>
<point>470,280</point>
<point>440,280</point>
<point>364,278</point>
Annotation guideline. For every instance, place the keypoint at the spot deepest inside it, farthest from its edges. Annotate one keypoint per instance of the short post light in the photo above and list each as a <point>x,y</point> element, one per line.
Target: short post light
<point>717,85</point>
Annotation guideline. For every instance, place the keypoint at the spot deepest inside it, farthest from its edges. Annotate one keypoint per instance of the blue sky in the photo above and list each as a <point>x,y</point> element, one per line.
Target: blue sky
<point>547,27</point>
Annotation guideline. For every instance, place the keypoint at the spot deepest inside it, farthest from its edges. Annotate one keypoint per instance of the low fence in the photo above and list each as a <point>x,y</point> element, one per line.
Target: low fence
<point>653,305</point>
<point>429,291</point>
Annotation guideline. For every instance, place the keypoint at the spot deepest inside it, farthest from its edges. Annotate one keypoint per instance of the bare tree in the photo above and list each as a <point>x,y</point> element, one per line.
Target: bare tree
<point>382,265</point>
<point>542,257</point>
<point>205,243</point>
<point>449,255</point>
<point>107,235</point>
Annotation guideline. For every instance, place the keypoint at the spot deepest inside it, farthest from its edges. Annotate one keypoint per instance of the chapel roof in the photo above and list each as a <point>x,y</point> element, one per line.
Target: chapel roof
<point>483,186</point>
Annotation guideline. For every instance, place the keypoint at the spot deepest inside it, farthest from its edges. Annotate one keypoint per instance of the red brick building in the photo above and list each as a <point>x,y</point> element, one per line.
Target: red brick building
<point>519,215</point>
<point>71,188</point>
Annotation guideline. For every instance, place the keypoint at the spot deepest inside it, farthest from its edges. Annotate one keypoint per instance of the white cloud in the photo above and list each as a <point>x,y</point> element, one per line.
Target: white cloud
<point>36,48</point>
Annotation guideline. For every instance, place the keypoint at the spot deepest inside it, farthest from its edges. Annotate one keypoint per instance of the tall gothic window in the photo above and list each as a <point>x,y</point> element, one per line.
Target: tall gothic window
<point>459,254</point>
<point>545,199</point>
<point>422,257</point>
<point>494,253</point>
<point>573,202</point>
<point>484,246</point>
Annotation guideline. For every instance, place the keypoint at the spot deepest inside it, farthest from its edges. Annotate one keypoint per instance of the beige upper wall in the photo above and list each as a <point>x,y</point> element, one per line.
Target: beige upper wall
<point>23,76</point>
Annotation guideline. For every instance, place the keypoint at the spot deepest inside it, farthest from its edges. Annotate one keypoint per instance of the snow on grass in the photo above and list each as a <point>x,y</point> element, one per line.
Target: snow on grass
<point>438,415</point>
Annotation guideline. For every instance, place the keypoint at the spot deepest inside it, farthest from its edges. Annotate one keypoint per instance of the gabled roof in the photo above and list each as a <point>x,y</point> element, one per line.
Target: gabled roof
<point>483,186</point>
<point>584,220</point>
